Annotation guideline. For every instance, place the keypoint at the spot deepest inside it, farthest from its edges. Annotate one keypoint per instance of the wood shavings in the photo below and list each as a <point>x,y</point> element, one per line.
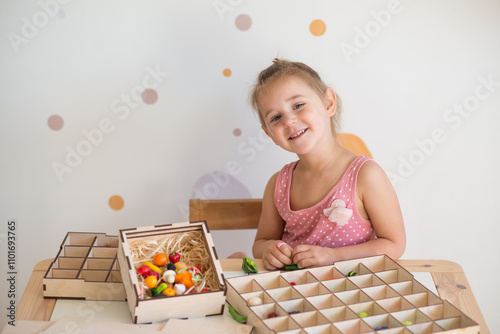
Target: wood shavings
<point>190,245</point>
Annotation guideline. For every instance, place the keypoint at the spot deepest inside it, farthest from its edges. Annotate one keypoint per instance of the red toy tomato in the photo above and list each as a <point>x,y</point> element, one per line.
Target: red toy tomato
<point>143,271</point>
<point>174,257</point>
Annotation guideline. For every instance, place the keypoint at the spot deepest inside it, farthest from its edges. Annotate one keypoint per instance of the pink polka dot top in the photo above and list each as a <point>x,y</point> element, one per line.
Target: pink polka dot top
<point>333,222</point>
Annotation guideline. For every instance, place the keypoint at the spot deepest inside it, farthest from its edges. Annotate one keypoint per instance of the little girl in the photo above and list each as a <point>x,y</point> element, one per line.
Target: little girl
<point>331,204</point>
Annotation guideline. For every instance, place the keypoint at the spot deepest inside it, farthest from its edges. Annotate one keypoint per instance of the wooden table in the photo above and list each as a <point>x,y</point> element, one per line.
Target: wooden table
<point>449,277</point>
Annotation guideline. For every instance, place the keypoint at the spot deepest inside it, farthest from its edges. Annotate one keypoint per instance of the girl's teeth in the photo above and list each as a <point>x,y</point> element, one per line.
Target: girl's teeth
<point>298,134</point>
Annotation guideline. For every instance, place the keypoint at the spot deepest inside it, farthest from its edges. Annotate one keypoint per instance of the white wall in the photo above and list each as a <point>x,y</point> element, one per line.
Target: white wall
<point>81,59</point>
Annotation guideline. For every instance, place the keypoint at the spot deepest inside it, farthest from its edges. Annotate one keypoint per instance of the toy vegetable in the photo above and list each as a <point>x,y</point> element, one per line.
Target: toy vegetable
<point>174,257</point>
<point>249,266</point>
<point>184,277</point>
<point>236,316</point>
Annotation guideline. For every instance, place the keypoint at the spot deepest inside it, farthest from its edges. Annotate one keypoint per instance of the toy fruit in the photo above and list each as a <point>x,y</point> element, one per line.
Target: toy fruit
<point>151,282</point>
<point>160,259</point>
<point>169,292</point>
<point>180,266</point>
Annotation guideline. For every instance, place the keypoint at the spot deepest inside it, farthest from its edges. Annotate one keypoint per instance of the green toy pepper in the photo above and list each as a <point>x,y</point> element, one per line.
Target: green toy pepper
<point>249,266</point>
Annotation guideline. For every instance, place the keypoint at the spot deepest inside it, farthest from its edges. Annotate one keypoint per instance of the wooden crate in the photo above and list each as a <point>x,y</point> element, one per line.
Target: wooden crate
<point>86,267</point>
<point>326,300</point>
<point>192,305</point>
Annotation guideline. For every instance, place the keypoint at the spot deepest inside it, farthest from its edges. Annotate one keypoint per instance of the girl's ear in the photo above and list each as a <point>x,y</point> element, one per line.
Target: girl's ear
<point>330,101</point>
<point>267,133</point>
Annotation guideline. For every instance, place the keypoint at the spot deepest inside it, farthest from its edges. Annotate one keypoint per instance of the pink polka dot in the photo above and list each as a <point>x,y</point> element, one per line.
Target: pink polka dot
<point>61,14</point>
<point>55,122</point>
<point>243,22</point>
<point>149,96</point>
<point>237,132</point>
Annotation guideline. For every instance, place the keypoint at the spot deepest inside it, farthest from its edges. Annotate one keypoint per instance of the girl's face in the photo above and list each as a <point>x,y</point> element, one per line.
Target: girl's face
<point>295,117</point>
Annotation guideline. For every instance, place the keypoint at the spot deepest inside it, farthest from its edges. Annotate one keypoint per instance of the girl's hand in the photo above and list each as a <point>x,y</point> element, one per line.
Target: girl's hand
<point>305,256</point>
<point>274,257</point>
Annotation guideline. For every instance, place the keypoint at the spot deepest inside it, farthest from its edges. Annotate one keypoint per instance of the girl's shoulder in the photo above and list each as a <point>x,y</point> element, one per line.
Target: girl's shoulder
<point>371,175</point>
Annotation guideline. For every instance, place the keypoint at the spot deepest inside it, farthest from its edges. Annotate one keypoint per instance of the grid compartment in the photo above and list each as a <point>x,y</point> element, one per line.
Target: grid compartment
<point>408,287</point>
<point>370,308</point>
<point>325,301</point>
<point>364,281</point>
<point>282,294</point>
<point>339,284</point>
<point>281,324</point>
<point>309,319</point>
<point>298,277</point>
<point>341,313</point>
<point>264,296</point>
<point>263,311</point>
<point>381,292</point>
<point>353,297</point>
<point>395,304</point>
<point>353,327</point>
<point>297,306</point>
<point>312,289</point>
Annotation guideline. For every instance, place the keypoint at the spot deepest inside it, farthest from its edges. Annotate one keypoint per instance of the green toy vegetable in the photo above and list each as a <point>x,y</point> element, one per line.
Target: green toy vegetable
<point>236,316</point>
<point>249,266</point>
<point>291,267</point>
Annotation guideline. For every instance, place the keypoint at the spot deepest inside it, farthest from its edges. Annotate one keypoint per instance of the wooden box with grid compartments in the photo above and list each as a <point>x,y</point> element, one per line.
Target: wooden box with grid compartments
<point>381,298</point>
<point>148,309</point>
<point>86,267</point>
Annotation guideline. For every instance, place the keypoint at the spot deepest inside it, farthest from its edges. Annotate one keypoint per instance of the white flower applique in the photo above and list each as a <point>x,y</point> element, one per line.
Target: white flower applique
<point>338,213</point>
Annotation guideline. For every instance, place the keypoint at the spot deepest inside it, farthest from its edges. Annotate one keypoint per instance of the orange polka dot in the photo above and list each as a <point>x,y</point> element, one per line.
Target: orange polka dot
<point>317,27</point>
<point>227,72</point>
<point>116,202</point>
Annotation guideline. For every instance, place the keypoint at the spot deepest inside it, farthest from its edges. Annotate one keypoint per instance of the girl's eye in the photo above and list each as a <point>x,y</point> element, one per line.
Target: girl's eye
<point>298,106</point>
<point>275,118</point>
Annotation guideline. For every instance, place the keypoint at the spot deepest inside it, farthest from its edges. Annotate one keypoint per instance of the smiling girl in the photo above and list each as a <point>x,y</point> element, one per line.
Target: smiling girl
<point>331,204</point>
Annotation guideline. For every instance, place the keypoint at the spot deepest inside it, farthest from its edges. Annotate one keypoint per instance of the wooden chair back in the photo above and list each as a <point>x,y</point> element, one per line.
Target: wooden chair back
<point>226,214</point>
<point>232,214</point>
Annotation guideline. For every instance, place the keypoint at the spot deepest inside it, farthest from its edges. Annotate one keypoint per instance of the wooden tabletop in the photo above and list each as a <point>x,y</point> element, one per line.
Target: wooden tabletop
<point>449,277</point>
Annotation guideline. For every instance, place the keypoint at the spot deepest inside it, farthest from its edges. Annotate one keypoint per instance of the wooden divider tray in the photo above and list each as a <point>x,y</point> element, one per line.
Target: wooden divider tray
<point>325,300</point>
<point>86,267</point>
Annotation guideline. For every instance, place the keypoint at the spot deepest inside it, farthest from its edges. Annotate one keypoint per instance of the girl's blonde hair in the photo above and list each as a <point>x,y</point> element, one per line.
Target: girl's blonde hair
<point>282,69</point>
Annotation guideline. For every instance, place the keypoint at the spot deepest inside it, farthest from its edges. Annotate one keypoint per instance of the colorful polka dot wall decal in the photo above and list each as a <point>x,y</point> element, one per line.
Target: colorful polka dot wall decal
<point>227,72</point>
<point>149,96</point>
<point>237,132</point>
<point>55,122</point>
<point>116,202</point>
<point>243,22</point>
<point>317,27</point>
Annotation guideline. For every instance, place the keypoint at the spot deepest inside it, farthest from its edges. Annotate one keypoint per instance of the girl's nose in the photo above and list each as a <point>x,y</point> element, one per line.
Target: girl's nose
<point>290,120</point>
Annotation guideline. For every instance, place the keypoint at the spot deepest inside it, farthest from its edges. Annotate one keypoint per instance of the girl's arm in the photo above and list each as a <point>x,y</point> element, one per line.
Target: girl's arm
<point>376,199</point>
<point>270,232</point>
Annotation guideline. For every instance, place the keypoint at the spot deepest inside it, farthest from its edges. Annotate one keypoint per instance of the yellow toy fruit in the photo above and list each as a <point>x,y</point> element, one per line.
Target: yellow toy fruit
<point>151,282</point>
